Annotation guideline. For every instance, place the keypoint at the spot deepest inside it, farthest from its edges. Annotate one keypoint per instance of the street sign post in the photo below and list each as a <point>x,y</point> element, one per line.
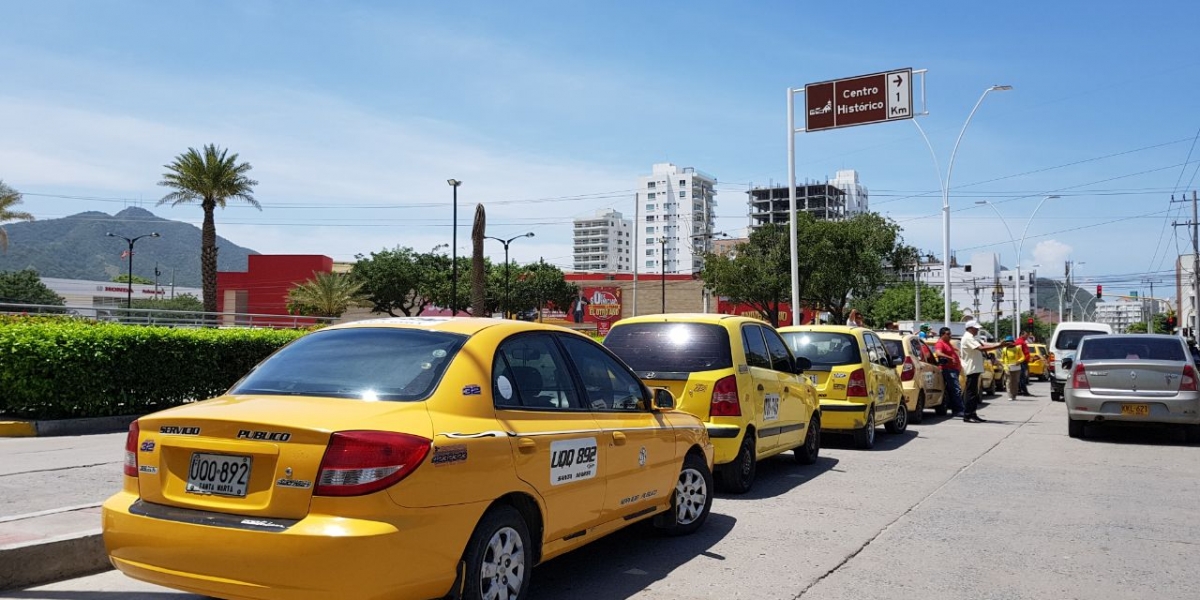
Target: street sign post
<point>858,100</point>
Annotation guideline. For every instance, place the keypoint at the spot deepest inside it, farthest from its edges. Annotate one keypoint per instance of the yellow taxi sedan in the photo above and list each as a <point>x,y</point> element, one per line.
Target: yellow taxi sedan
<point>737,375</point>
<point>920,375</point>
<point>855,378</point>
<point>1038,358</point>
<point>404,458</point>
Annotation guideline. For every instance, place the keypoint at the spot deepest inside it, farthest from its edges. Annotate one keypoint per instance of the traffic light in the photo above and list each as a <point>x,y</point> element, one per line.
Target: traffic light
<point>1029,321</point>
<point>1099,291</point>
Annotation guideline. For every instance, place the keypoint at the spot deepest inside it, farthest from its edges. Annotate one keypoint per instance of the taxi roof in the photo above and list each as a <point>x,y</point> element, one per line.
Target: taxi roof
<point>468,326</point>
<point>824,328</point>
<point>713,318</point>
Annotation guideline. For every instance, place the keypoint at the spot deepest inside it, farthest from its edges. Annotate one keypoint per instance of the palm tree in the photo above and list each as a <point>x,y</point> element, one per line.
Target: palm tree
<point>210,177</point>
<point>8,199</point>
<point>325,295</point>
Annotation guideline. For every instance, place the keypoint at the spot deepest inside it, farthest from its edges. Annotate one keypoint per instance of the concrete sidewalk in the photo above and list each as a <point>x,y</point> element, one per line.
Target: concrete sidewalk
<point>51,545</point>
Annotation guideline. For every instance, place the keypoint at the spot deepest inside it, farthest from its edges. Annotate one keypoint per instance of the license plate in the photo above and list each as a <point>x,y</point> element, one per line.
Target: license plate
<point>1137,410</point>
<point>219,474</point>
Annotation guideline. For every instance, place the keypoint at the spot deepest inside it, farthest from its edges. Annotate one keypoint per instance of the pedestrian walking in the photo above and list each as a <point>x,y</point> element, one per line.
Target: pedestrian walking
<point>1014,360</point>
<point>948,360</point>
<point>971,349</point>
<point>1023,342</point>
<point>924,332</point>
<point>855,318</point>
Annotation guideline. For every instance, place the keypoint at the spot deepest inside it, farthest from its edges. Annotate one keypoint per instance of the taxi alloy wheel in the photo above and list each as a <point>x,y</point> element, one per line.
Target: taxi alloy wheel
<point>918,415</point>
<point>499,556</point>
<point>693,497</point>
<point>738,476</point>
<point>899,424</point>
<point>807,453</point>
<point>864,438</point>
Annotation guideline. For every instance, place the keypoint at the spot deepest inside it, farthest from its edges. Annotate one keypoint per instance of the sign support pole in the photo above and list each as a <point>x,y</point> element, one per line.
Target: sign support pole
<point>792,231</point>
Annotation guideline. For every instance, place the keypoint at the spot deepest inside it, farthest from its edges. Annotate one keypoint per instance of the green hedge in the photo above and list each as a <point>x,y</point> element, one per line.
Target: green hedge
<point>62,368</point>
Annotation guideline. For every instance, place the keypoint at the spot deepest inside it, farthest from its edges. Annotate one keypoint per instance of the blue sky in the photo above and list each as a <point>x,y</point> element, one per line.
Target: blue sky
<point>354,114</point>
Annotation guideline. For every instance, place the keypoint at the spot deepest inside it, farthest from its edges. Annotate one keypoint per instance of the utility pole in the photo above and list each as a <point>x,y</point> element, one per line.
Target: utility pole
<point>636,234</point>
<point>917,287</point>
<point>1194,319</point>
<point>1150,307</point>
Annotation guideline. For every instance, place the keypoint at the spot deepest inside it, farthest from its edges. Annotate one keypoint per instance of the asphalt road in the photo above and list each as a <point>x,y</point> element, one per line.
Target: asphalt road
<point>1010,509</point>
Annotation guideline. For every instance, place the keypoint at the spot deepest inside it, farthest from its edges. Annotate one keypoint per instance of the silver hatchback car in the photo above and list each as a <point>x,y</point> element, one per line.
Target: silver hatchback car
<point>1134,378</point>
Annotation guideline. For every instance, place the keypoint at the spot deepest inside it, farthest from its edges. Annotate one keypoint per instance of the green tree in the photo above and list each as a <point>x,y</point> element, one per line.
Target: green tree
<point>852,257</point>
<point>402,281</point>
<point>182,302</point>
<point>211,177</point>
<point>757,273</point>
<point>535,286</point>
<point>898,303</point>
<point>325,295</point>
<point>25,287</point>
<point>9,198</point>
<point>124,278</point>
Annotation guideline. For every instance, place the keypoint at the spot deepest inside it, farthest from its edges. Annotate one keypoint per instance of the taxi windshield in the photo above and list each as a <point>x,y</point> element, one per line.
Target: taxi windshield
<point>382,363</point>
<point>824,349</point>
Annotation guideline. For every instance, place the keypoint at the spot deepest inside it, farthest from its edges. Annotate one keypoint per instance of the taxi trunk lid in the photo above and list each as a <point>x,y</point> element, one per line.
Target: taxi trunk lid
<point>254,455</point>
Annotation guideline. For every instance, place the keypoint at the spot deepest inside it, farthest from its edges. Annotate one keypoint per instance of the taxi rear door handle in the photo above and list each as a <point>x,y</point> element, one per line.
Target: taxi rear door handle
<point>760,387</point>
<point>618,438</point>
<point>527,445</point>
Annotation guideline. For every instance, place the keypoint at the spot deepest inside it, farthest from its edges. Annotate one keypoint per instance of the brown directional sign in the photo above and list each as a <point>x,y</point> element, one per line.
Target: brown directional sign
<point>858,100</point>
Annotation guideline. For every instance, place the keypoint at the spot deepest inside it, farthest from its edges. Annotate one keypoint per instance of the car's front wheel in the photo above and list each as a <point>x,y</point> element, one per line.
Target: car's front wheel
<point>499,556</point>
<point>864,438</point>
<point>899,424</point>
<point>807,453</point>
<point>692,499</point>
<point>738,476</point>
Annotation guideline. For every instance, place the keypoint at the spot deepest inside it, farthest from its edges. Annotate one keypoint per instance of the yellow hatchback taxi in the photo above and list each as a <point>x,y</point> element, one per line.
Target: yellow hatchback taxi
<point>1039,357</point>
<point>404,458</point>
<point>734,373</point>
<point>855,378</point>
<point>920,375</point>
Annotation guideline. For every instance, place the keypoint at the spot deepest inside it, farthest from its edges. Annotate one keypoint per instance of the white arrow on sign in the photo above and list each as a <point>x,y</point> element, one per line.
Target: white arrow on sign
<point>899,97</point>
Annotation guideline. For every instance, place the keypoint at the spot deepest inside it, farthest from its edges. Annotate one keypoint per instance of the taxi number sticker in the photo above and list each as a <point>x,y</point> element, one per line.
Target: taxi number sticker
<point>771,407</point>
<point>573,460</point>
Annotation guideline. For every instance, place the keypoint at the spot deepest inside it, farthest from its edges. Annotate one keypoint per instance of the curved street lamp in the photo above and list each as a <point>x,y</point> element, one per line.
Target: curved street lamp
<point>1018,246</point>
<point>129,253</point>
<point>506,243</point>
<point>454,183</point>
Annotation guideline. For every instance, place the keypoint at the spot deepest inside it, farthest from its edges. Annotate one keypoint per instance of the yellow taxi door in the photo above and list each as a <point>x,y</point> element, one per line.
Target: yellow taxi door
<point>931,375</point>
<point>887,399</point>
<point>557,447</point>
<point>642,464</point>
<point>764,389</point>
<point>795,408</point>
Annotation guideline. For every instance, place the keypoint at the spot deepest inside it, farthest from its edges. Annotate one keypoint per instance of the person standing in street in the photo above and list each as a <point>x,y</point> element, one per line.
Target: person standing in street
<point>971,349</point>
<point>948,359</point>
<point>1014,359</point>
<point>1023,342</point>
<point>855,318</point>
<point>925,331</point>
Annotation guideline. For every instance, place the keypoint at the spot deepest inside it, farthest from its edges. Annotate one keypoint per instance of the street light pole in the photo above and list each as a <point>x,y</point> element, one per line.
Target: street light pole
<point>506,243</point>
<point>129,283</point>
<point>946,202</point>
<point>454,183</point>
<point>1018,246</point>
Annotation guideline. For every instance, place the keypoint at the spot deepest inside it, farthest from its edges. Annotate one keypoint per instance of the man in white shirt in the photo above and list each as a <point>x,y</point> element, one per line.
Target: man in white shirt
<point>971,348</point>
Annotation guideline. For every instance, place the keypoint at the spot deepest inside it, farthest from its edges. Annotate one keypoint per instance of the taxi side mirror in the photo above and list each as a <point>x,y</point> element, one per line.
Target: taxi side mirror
<point>663,399</point>
<point>802,364</point>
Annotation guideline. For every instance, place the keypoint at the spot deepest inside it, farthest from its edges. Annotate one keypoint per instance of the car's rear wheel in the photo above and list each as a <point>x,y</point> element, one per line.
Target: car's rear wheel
<point>738,476</point>
<point>692,499</point>
<point>918,415</point>
<point>899,424</point>
<point>810,450</point>
<point>864,438</point>
<point>1075,428</point>
<point>499,556</point>
<point>1192,434</point>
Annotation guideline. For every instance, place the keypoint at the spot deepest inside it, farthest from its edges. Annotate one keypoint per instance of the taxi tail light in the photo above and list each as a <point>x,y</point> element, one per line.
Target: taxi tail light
<point>858,384</point>
<point>131,450</point>
<point>1188,382</point>
<point>725,398</point>
<point>909,370</point>
<point>364,462</point>
<point>1079,378</point>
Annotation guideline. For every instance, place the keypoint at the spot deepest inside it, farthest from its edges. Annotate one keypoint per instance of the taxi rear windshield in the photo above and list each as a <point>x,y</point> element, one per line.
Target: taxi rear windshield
<point>1132,348</point>
<point>825,349</point>
<point>390,364</point>
<point>671,347</point>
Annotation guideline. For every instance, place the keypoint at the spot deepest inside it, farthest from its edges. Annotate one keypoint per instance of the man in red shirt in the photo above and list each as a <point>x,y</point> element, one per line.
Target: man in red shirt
<point>948,358</point>
<point>1023,343</point>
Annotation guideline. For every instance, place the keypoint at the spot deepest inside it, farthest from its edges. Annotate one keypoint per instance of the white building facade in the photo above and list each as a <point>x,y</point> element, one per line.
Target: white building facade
<point>983,287</point>
<point>1185,293</point>
<point>675,219</point>
<point>80,293</point>
<point>603,243</point>
<point>1121,313</point>
<point>856,196</point>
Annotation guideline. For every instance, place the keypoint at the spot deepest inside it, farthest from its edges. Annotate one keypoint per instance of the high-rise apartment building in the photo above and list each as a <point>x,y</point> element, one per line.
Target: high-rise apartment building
<point>604,243</point>
<point>675,219</point>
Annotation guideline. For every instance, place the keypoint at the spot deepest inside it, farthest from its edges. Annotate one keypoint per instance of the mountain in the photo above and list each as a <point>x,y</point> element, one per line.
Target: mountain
<point>77,247</point>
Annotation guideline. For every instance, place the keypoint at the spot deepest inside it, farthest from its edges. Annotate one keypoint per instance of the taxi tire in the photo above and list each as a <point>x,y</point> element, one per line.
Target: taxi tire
<point>918,415</point>
<point>670,525</point>
<point>738,476</point>
<point>808,452</point>
<point>864,439</point>
<point>899,423</point>
<point>1192,434</point>
<point>941,410</point>
<point>1076,429</point>
<point>494,521</point>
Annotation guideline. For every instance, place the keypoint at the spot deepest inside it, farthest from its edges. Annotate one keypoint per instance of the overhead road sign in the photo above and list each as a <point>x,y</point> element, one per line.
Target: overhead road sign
<point>858,100</point>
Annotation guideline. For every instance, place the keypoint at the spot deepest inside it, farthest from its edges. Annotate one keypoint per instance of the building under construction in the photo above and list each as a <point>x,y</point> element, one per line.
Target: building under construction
<point>821,200</point>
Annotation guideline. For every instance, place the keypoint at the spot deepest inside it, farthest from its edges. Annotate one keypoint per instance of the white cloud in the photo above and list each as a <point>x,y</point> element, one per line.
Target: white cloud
<point>1051,254</point>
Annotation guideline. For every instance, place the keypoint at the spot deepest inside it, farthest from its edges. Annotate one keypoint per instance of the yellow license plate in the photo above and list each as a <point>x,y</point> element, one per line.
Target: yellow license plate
<point>1137,410</point>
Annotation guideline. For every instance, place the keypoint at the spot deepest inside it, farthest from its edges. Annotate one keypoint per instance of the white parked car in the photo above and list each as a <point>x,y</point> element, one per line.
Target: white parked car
<point>1063,344</point>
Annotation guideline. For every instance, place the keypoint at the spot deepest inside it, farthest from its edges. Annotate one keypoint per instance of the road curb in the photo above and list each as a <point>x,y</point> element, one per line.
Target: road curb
<point>53,559</point>
<point>60,427</point>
